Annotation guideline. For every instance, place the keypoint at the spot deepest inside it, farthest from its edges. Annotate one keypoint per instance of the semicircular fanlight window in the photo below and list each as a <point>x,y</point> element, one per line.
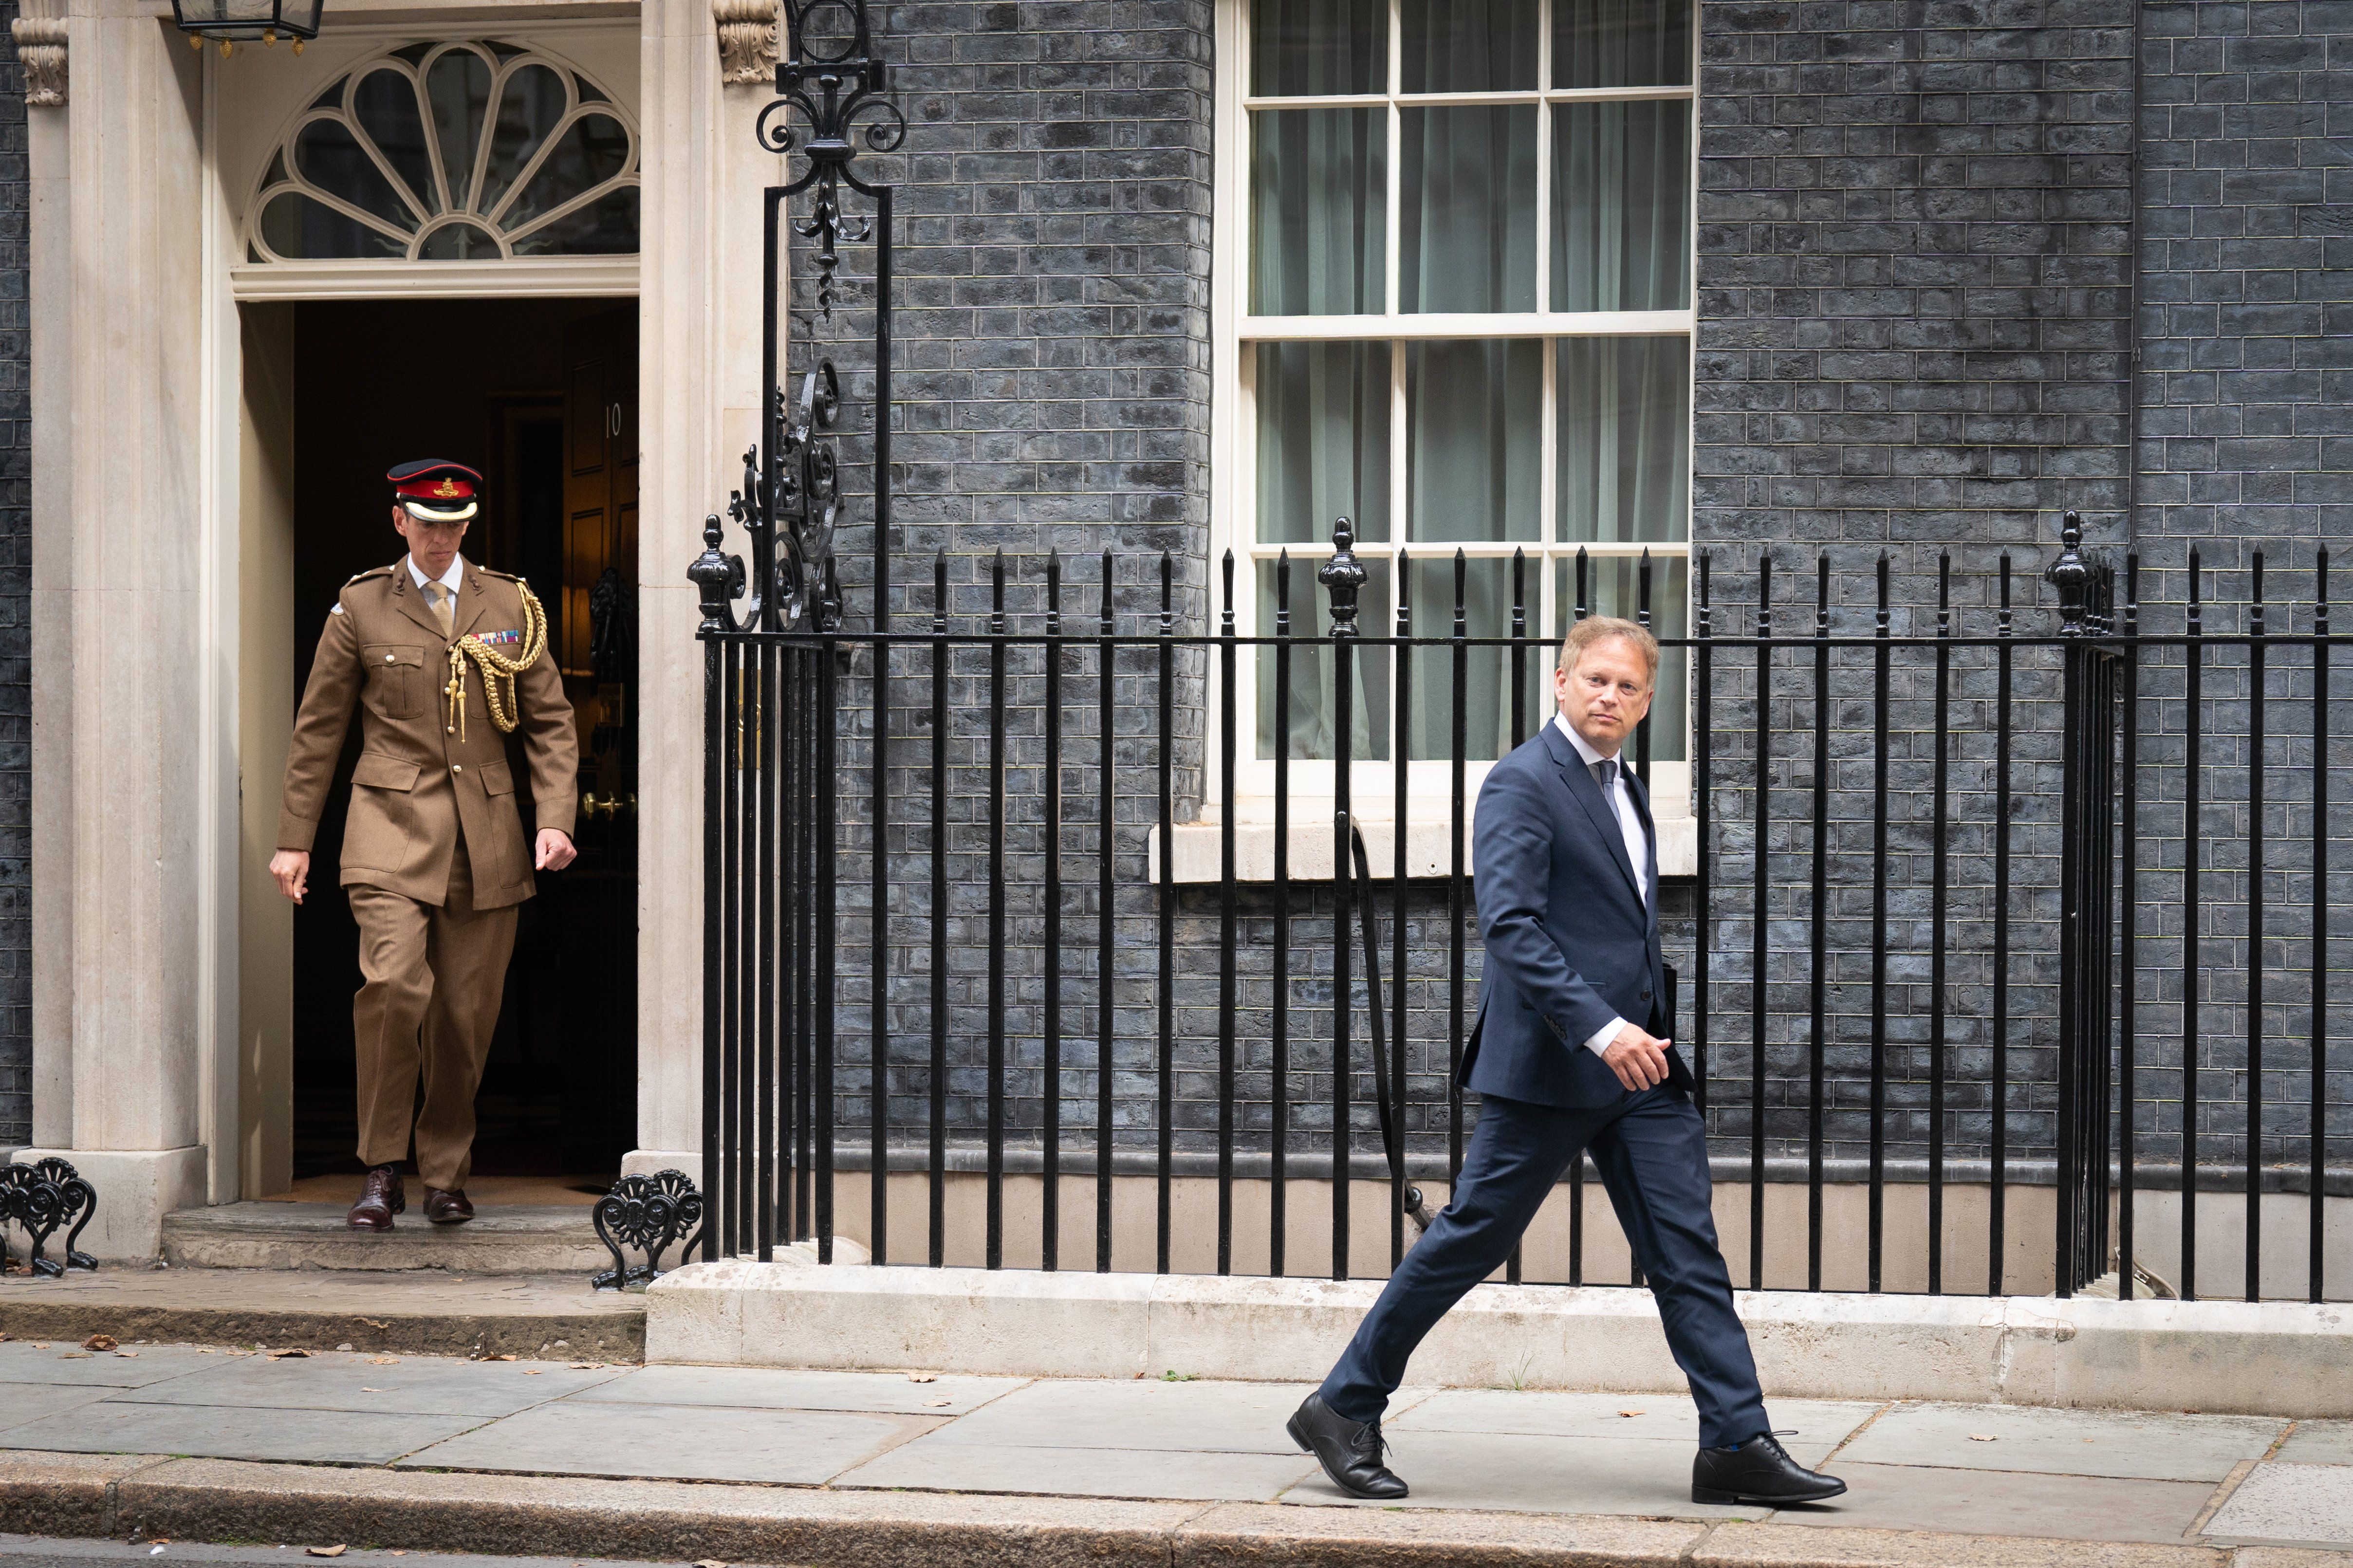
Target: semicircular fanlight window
<point>450,152</point>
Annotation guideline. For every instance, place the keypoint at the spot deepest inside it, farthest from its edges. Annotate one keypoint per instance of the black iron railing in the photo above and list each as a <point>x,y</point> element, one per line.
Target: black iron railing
<point>1028,949</point>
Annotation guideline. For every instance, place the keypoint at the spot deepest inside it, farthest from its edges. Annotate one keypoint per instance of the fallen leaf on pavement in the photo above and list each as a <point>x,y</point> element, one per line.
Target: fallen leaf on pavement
<point>324,1551</point>
<point>923,1377</point>
<point>128,1355</point>
<point>709,1563</point>
<point>371,1391</point>
<point>1629,1413</point>
<point>935,1404</point>
<point>98,1342</point>
<point>290,1354</point>
<point>75,1355</point>
<point>586,1365</point>
<point>373,1323</point>
<point>1981,1438</point>
<point>383,1361</point>
<point>533,1370</point>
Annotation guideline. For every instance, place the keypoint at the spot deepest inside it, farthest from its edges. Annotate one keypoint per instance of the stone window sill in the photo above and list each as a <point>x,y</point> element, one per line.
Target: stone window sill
<point>1429,847</point>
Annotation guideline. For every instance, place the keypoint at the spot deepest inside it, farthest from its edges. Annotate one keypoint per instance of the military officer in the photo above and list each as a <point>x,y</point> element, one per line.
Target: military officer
<point>443,660</point>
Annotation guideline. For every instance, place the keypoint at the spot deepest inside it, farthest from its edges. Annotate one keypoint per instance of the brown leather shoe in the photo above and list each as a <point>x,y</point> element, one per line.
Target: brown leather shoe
<point>448,1206</point>
<point>380,1199</point>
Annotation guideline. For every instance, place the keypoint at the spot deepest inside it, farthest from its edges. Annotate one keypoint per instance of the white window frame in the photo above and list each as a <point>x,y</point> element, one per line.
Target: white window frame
<point>1233,451</point>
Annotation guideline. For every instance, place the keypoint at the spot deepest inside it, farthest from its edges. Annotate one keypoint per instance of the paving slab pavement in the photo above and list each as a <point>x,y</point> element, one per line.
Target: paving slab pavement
<point>64,1362</point>
<point>819,1466</point>
<point>944,1394</point>
<point>419,1385</point>
<point>1992,1503</point>
<point>2289,1502</point>
<point>313,1436</point>
<point>2127,1444</point>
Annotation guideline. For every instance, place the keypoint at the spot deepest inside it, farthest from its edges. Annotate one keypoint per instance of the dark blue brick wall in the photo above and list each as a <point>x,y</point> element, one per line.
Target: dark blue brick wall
<point>2245,450</point>
<point>1917,286</point>
<point>15,595</point>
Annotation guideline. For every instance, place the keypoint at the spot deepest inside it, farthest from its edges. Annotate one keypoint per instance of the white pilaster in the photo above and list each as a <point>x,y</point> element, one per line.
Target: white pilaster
<point>118,1085</point>
<point>687,317</point>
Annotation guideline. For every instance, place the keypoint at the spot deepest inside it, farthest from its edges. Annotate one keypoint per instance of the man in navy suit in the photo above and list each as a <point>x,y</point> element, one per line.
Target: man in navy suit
<point>1568,880</point>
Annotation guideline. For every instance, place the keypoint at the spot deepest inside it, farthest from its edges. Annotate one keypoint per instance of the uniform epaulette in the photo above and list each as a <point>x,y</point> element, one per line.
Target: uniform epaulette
<point>364,576</point>
<point>502,576</point>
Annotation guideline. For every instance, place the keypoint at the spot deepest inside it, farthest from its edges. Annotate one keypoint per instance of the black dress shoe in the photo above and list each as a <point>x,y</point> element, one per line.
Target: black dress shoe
<point>1759,1471</point>
<point>380,1199</point>
<point>1349,1451</point>
<point>448,1206</point>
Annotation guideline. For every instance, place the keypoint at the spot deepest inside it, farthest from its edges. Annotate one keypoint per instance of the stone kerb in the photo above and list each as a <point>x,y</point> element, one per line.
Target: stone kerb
<point>2272,1358</point>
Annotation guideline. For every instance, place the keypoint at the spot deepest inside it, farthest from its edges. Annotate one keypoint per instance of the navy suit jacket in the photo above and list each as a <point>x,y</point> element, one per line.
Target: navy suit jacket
<point>1570,941</point>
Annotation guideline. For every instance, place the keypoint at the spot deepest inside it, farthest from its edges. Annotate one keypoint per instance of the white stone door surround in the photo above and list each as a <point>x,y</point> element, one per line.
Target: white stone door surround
<point>139,490</point>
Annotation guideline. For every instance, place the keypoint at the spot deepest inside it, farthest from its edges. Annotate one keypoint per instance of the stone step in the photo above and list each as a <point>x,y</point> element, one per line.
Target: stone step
<point>413,1312</point>
<point>506,1239</point>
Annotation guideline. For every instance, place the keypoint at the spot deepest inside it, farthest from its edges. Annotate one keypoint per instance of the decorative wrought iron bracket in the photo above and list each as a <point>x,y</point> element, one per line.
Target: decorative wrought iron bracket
<point>40,1198</point>
<point>831,91</point>
<point>790,501</point>
<point>789,505</point>
<point>648,1214</point>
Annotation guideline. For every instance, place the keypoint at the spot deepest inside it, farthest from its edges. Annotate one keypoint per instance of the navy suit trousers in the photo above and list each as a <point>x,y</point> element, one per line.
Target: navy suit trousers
<point>1651,1151</point>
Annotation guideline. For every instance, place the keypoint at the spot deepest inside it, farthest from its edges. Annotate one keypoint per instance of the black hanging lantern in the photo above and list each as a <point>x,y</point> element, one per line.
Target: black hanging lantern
<point>232,22</point>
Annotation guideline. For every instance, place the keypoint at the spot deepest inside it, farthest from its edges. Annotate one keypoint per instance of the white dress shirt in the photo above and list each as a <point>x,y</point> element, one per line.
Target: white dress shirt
<point>449,580</point>
<point>1637,847</point>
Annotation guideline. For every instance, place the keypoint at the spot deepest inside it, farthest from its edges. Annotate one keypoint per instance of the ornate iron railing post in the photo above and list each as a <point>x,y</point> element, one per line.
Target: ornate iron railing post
<point>790,506</point>
<point>2087,860</point>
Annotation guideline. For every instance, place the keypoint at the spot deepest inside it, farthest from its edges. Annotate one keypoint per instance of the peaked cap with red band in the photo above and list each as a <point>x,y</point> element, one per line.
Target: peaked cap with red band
<point>435,490</point>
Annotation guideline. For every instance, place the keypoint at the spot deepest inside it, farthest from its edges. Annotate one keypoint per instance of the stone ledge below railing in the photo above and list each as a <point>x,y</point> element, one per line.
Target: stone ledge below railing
<point>2271,1359</point>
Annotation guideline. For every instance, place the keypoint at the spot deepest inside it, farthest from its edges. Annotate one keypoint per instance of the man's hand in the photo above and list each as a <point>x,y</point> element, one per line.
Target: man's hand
<point>291,867</point>
<point>555,851</point>
<point>1639,1060</point>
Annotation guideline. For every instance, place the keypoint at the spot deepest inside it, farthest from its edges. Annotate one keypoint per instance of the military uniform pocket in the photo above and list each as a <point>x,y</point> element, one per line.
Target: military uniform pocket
<point>395,679</point>
<point>382,823</point>
<point>509,860</point>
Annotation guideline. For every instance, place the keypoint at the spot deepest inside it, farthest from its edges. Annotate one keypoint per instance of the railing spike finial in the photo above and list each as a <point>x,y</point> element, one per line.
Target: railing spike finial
<point>1343,577</point>
<point>719,577</point>
<point>2072,575</point>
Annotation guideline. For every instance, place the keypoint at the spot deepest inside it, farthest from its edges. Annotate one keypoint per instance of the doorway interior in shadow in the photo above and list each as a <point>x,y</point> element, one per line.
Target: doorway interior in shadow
<point>541,396</point>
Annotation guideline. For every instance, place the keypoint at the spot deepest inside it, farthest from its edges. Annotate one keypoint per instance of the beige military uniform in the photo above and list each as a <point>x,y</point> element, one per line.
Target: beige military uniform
<point>434,854</point>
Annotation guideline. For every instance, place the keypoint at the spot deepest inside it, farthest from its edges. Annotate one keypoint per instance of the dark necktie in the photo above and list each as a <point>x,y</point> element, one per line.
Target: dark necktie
<point>1605,774</point>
